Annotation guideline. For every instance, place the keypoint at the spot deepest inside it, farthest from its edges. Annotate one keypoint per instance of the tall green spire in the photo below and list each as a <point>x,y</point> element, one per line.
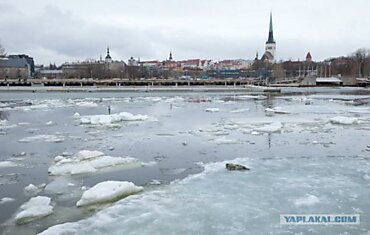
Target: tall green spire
<point>271,31</point>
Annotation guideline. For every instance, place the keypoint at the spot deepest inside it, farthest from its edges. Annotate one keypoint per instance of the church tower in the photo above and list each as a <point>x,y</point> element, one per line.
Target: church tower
<point>170,58</point>
<point>108,58</point>
<point>271,44</point>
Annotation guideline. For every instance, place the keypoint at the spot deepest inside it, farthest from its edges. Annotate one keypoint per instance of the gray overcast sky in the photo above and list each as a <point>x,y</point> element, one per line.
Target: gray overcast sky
<point>71,30</point>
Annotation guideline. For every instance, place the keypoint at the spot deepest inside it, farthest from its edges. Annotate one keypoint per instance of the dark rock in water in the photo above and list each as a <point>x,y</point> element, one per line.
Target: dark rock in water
<point>236,167</point>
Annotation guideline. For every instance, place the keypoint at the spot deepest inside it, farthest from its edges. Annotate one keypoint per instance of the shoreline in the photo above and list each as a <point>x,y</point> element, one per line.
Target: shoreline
<point>41,89</point>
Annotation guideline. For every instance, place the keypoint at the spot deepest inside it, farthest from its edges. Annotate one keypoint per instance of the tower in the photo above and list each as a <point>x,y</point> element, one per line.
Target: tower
<point>108,58</point>
<point>271,44</point>
<point>170,58</point>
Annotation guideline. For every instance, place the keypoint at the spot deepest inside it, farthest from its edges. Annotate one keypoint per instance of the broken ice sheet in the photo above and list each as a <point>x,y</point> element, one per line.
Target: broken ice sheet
<point>87,162</point>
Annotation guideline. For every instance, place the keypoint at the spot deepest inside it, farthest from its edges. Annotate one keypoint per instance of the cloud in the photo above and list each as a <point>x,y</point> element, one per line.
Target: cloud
<point>149,29</point>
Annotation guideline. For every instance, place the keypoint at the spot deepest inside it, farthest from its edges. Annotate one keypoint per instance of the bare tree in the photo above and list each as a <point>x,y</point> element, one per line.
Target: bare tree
<point>2,50</point>
<point>360,56</point>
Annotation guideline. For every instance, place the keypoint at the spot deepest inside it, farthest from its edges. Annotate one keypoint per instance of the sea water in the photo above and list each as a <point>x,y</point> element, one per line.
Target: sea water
<point>301,161</point>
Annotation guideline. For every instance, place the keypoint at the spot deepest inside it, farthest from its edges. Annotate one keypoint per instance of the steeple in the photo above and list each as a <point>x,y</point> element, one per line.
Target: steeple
<point>108,58</point>
<point>271,31</point>
<point>256,56</point>
<point>270,49</point>
<point>170,58</point>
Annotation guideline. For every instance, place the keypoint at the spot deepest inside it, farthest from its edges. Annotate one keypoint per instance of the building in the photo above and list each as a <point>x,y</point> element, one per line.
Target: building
<point>108,58</point>
<point>107,68</point>
<point>270,49</point>
<point>308,57</point>
<point>16,67</point>
<point>133,62</point>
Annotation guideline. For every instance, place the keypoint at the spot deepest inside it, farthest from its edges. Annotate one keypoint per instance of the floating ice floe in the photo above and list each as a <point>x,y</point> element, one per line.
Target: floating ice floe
<point>212,110</point>
<point>224,140</point>
<point>113,118</point>
<point>86,104</point>
<point>49,123</point>
<point>309,200</point>
<point>87,161</point>
<point>276,110</point>
<point>108,191</point>
<point>239,110</point>
<point>42,138</point>
<point>23,123</point>
<point>272,127</point>
<point>32,189</point>
<point>76,115</point>
<point>36,208</point>
<point>253,97</point>
<point>7,164</point>
<point>343,120</point>
<point>6,200</point>
<point>155,182</point>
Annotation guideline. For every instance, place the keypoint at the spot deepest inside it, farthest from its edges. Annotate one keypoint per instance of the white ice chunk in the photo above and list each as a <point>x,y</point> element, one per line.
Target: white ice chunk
<point>32,189</point>
<point>86,104</point>
<point>42,138</point>
<point>76,115</point>
<point>212,110</point>
<point>113,118</point>
<point>87,154</point>
<point>108,191</point>
<point>87,162</point>
<point>23,123</point>
<point>276,110</point>
<point>155,182</point>
<point>239,110</point>
<point>35,208</point>
<point>224,140</point>
<point>7,164</point>
<point>272,127</point>
<point>59,158</point>
<point>343,120</point>
<point>308,200</point>
<point>6,200</point>
<point>49,123</point>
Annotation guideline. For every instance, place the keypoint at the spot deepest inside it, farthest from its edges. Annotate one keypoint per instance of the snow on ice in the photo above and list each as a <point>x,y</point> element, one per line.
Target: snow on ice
<point>42,138</point>
<point>113,118</point>
<point>87,161</point>
<point>343,120</point>
<point>108,191</point>
<point>6,200</point>
<point>32,189</point>
<point>308,200</point>
<point>272,127</point>
<point>7,164</point>
<point>35,208</point>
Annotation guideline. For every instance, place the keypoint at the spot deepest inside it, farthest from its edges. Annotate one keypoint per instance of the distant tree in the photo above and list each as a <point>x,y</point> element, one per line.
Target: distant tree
<point>2,50</point>
<point>278,71</point>
<point>361,56</point>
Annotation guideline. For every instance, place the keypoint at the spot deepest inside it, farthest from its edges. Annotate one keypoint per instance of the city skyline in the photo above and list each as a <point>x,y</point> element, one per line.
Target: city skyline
<point>69,31</point>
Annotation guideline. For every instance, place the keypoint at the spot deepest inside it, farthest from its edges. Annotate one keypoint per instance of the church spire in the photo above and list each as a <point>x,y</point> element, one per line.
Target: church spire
<point>170,58</point>
<point>108,58</point>
<point>271,31</point>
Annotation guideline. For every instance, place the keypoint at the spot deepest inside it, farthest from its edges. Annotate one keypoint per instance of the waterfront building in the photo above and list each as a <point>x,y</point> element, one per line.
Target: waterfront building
<point>16,67</point>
